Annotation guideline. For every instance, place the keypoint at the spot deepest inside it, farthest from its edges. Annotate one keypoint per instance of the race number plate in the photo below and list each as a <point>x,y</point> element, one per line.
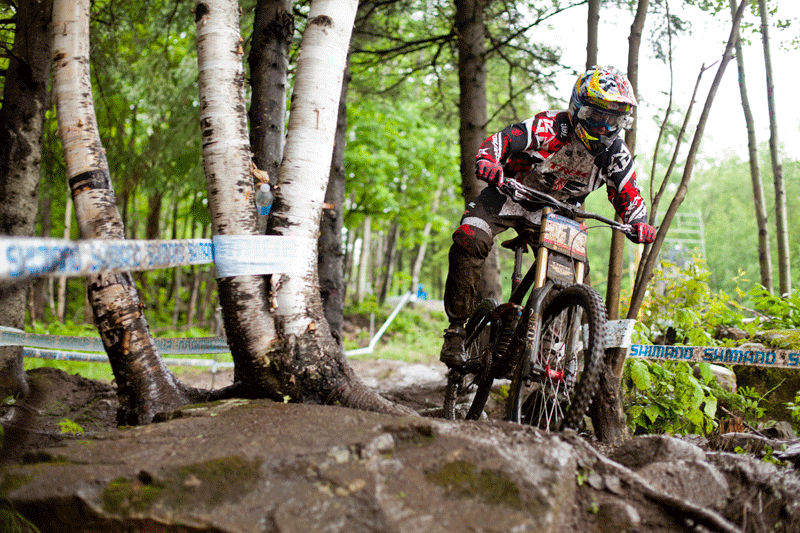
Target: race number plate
<point>565,236</point>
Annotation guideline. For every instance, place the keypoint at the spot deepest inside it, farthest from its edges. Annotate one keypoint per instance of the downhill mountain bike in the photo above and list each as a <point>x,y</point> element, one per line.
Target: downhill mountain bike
<point>551,348</point>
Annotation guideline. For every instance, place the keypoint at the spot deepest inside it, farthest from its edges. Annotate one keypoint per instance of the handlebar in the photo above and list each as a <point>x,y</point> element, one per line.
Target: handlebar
<point>534,200</point>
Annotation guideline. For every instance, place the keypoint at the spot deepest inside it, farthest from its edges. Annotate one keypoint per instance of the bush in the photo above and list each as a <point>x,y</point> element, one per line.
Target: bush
<point>669,397</point>
<point>666,397</point>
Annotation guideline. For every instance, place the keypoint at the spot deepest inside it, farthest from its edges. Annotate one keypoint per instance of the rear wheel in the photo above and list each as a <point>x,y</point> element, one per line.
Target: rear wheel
<point>477,347</point>
<point>555,381</point>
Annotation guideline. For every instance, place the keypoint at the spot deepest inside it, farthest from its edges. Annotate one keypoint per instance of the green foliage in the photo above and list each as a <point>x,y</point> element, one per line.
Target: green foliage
<point>781,312</point>
<point>750,404</point>
<point>395,156</point>
<point>794,410</point>
<point>11,521</point>
<point>682,299</point>
<point>731,234</point>
<point>668,398</point>
<point>71,427</point>
<point>67,328</point>
<point>415,334</point>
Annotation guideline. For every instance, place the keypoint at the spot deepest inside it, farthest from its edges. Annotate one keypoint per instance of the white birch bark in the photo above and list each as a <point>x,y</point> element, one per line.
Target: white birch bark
<point>145,386</point>
<point>279,338</point>
<point>364,260</point>
<point>308,151</point>
<point>227,162</point>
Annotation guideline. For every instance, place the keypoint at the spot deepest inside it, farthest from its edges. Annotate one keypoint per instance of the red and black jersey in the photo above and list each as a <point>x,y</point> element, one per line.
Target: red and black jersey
<point>542,153</point>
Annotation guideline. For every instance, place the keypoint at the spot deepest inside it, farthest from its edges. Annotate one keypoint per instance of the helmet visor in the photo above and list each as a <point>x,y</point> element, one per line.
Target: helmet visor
<point>599,122</point>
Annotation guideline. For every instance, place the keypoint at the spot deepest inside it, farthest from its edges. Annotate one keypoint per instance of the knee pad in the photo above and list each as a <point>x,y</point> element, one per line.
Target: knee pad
<point>474,241</point>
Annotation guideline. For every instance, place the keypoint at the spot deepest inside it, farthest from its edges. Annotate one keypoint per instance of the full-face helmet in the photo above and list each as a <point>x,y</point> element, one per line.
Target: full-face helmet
<point>600,107</point>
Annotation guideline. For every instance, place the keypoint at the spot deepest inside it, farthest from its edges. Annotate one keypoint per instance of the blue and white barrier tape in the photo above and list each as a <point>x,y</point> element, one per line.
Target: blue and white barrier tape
<point>102,358</point>
<point>189,346</point>
<point>234,255</point>
<point>55,345</point>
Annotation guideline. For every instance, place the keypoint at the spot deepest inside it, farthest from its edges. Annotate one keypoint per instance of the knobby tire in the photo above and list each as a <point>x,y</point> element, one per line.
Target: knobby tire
<point>478,339</point>
<point>553,384</point>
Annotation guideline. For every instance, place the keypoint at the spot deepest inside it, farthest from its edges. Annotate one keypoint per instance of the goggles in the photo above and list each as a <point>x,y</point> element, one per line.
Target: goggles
<point>596,118</point>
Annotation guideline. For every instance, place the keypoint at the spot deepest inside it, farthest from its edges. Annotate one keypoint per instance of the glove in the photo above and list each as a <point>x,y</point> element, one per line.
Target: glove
<point>490,172</point>
<point>643,233</point>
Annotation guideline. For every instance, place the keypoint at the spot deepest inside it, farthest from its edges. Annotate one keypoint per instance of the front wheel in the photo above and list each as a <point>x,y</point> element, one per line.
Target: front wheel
<point>555,380</point>
<point>476,346</point>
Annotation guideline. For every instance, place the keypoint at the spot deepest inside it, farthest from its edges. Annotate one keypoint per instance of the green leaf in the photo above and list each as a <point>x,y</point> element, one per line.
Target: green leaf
<point>710,406</point>
<point>635,411</point>
<point>653,412</point>
<point>640,374</point>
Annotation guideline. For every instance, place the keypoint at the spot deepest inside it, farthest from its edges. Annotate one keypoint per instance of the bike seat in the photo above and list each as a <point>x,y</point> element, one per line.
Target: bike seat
<point>523,239</point>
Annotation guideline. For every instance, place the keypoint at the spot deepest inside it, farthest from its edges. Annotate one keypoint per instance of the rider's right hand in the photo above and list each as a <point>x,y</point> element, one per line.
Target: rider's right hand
<point>490,172</point>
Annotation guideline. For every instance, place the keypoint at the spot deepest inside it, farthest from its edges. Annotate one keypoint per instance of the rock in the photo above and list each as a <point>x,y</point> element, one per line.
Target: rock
<point>791,453</point>
<point>636,453</point>
<point>729,332</point>
<point>615,517</point>
<point>779,430</point>
<point>724,376</point>
<point>259,466</point>
<point>785,339</point>
<point>696,481</point>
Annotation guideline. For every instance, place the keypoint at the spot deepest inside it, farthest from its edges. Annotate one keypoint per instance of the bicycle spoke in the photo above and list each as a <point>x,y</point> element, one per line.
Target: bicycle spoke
<point>559,386</point>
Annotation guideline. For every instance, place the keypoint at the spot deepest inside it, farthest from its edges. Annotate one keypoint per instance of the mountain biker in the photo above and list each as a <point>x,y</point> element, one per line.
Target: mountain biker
<point>566,154</point>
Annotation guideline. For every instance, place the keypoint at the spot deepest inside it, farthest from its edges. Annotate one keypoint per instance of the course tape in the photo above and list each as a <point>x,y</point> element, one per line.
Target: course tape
<point>189,346</point>
<point>248,255</point>
<point>234,255</point>
<point>718,355</point>
<point>102,358</point>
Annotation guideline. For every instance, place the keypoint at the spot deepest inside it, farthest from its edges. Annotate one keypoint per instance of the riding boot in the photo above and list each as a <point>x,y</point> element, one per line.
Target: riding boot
<point>459,295</point>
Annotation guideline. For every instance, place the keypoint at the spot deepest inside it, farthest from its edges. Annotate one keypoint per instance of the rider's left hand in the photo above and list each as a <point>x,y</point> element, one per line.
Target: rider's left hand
<point>643,233</point>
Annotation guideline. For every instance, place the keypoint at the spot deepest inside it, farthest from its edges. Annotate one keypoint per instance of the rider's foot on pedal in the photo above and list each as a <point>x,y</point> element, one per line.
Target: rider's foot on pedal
<point>452,353</point>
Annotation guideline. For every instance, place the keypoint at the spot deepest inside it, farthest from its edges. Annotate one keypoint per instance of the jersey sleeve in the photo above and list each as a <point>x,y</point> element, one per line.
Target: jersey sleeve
<point>520,145</point>
<point>619,172</point>
<point>498,147</point>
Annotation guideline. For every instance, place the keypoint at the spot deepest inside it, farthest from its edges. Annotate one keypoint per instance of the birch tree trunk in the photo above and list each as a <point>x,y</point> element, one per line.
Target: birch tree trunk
<point>227,164</point>
<point>279,338</point>
<point>782,232</point>
<point>364,257</point>
<point>21,121</point>
<point>308,345</point>
<point>764,253</point>
<point>145,386</point>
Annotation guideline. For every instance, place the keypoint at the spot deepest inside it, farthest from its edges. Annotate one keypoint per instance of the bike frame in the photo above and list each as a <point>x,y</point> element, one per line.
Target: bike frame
<point>558,262</point>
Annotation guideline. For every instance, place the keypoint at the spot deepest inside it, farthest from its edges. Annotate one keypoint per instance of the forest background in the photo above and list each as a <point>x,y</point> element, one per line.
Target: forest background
<point>402,155</point>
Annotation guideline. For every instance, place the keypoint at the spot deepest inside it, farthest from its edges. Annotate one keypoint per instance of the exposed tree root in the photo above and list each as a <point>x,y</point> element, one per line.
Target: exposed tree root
<point>356,395</point>
<point>676,506</point>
